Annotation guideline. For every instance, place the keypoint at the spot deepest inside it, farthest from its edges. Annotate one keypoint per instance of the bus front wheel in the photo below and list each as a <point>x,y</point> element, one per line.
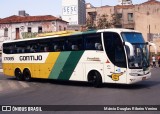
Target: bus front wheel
<point>18,74</point>
<point>27,75</point>
<point>95,78</point>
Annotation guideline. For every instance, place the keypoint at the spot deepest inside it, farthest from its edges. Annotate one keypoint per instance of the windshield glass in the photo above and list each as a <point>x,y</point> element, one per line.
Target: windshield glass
<point>141,55</point>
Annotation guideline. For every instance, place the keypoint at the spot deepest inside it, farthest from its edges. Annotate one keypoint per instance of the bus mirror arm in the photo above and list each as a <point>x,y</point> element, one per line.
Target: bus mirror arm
<point>154,46</point>
<point>130,48</point>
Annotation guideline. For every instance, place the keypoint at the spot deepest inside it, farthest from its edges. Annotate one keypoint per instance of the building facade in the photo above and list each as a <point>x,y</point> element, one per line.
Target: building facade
<point>143,17</point>
<point>74,12</point>
<point>20,27</point>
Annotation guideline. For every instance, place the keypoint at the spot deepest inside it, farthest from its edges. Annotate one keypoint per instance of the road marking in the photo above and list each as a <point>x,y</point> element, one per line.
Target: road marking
<point>24,84</point>
<point>13,85</point>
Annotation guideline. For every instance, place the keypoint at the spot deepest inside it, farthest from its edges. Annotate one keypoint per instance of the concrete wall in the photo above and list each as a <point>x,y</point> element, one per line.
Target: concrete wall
<point>73,11</point>
<point>147,19</point>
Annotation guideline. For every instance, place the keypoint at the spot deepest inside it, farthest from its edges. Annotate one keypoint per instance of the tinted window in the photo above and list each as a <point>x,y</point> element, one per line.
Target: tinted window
<point>93,41</point>
<point>133,37</point>
<point>74,43</point>
<point>114,49</point>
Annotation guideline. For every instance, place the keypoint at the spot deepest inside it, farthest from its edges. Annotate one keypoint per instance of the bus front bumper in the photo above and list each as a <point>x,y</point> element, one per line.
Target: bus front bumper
<point>135,79</point>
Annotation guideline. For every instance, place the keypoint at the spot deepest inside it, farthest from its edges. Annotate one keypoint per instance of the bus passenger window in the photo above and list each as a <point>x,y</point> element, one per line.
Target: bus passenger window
<point>74,47</point>
<point>98,46</point>
<point>89,45</point>
<point>46,49</point>
<point>57,48</point>
<point>93,42</point>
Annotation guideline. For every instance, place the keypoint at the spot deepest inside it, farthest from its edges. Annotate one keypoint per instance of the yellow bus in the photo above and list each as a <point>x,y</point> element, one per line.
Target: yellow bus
<point>99,56</point>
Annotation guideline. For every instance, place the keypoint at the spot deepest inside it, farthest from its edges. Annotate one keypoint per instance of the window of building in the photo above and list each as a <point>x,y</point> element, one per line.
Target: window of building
<point>119,15</point>
<point>60,28</point>
<point>6,32</point>
<point>39,29</point>
<point>130,16</point>
<point>29,29</point>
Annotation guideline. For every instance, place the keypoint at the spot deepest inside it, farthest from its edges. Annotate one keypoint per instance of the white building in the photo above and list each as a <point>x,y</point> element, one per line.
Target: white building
<point>124,2</point>
<point>19,27</point>
<point>74,12</point>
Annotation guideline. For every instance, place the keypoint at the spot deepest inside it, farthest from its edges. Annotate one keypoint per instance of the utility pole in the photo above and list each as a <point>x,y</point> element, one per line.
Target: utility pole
<point>122,16</point>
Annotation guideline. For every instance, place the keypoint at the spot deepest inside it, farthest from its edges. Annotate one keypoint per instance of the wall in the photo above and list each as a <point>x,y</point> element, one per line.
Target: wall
<point>147,19</point>
<point>73,11</point>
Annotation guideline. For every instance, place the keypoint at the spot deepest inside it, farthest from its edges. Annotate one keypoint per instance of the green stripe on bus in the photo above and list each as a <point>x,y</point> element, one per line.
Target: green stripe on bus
<point>70,65</point>
<point>57,69</point>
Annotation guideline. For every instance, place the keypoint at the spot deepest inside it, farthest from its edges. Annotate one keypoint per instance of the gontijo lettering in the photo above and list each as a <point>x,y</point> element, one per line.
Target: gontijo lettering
<point>30,58</point>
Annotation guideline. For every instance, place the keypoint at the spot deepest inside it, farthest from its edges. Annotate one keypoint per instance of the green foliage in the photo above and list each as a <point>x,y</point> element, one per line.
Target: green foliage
<point>103,22</point>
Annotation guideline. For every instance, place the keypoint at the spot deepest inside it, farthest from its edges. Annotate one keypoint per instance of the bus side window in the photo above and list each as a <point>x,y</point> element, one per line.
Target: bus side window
<point>93,42</point>
<point>89,45</point>
<point>46,49</point>
<point>75,43</point>
<point>75,47</point>
<point>57,48</point>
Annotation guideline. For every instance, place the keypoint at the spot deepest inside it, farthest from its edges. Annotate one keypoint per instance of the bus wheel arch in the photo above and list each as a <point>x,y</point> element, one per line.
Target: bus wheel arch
<point>27,74</point>
<point>95,78</point>
<point>18,74</point>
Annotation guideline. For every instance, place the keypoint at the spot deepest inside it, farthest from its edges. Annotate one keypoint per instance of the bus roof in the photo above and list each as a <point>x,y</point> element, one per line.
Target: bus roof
<point>69,33</point>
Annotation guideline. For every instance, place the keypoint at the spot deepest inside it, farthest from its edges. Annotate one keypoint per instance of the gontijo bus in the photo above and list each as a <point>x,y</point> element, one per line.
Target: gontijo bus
<point>102,56</point>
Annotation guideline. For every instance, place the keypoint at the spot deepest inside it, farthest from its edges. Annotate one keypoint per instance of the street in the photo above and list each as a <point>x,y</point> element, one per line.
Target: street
<point>51,92</point>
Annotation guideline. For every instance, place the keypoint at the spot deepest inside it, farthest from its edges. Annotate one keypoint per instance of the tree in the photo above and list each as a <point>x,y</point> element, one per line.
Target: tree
<point>103,22</point>
<point>90,23</point>
<point>116,20</point>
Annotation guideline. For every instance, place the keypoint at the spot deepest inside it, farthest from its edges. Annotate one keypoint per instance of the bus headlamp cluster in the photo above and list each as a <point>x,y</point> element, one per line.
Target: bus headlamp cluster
<point>133,74</point>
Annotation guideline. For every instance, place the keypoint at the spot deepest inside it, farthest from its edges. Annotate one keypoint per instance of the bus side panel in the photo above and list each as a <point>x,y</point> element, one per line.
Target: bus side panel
<point>65,65</point>
<point>43,70</point>
<point>8,69</point>
<point>70,65</point>
<point>59,64</point>
<point>90,60</point>
<point>78,73</point>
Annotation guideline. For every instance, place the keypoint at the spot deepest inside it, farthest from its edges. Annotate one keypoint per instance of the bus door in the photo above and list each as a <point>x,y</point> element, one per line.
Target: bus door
<point>115,67</point>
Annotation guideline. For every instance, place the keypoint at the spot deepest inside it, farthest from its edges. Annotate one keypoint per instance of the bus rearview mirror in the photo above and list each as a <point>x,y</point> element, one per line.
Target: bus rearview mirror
<point>131,49</point>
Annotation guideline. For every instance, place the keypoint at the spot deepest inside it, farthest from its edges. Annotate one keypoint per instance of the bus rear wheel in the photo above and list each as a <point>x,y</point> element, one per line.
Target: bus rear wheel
<point>18,74</point>
<point>95,78</point>
<point>27,75</point>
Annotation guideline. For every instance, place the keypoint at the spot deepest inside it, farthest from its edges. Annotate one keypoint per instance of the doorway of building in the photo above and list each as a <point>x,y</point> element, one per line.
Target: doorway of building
<point>17,33</point>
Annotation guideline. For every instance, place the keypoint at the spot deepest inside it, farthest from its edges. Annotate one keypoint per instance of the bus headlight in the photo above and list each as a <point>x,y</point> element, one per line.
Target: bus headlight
<point>133,74</point>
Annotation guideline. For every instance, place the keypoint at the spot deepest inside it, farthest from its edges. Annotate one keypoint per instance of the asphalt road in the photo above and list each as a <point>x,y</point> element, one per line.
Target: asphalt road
<point>49,92</point>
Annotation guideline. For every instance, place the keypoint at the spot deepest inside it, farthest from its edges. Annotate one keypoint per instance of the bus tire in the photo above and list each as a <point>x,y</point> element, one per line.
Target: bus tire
<point>95,78</point>
<point>27,75</point>
<point>18,74</point>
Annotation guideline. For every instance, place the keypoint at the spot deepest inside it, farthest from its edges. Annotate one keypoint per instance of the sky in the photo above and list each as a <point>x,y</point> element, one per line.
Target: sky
<point>46,7</point>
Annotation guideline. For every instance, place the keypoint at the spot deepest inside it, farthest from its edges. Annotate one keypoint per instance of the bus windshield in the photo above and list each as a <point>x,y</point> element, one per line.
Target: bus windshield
<point>141,54</point>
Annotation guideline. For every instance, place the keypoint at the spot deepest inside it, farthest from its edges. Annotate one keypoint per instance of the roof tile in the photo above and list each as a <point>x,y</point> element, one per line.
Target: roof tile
<point>21,19</point>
